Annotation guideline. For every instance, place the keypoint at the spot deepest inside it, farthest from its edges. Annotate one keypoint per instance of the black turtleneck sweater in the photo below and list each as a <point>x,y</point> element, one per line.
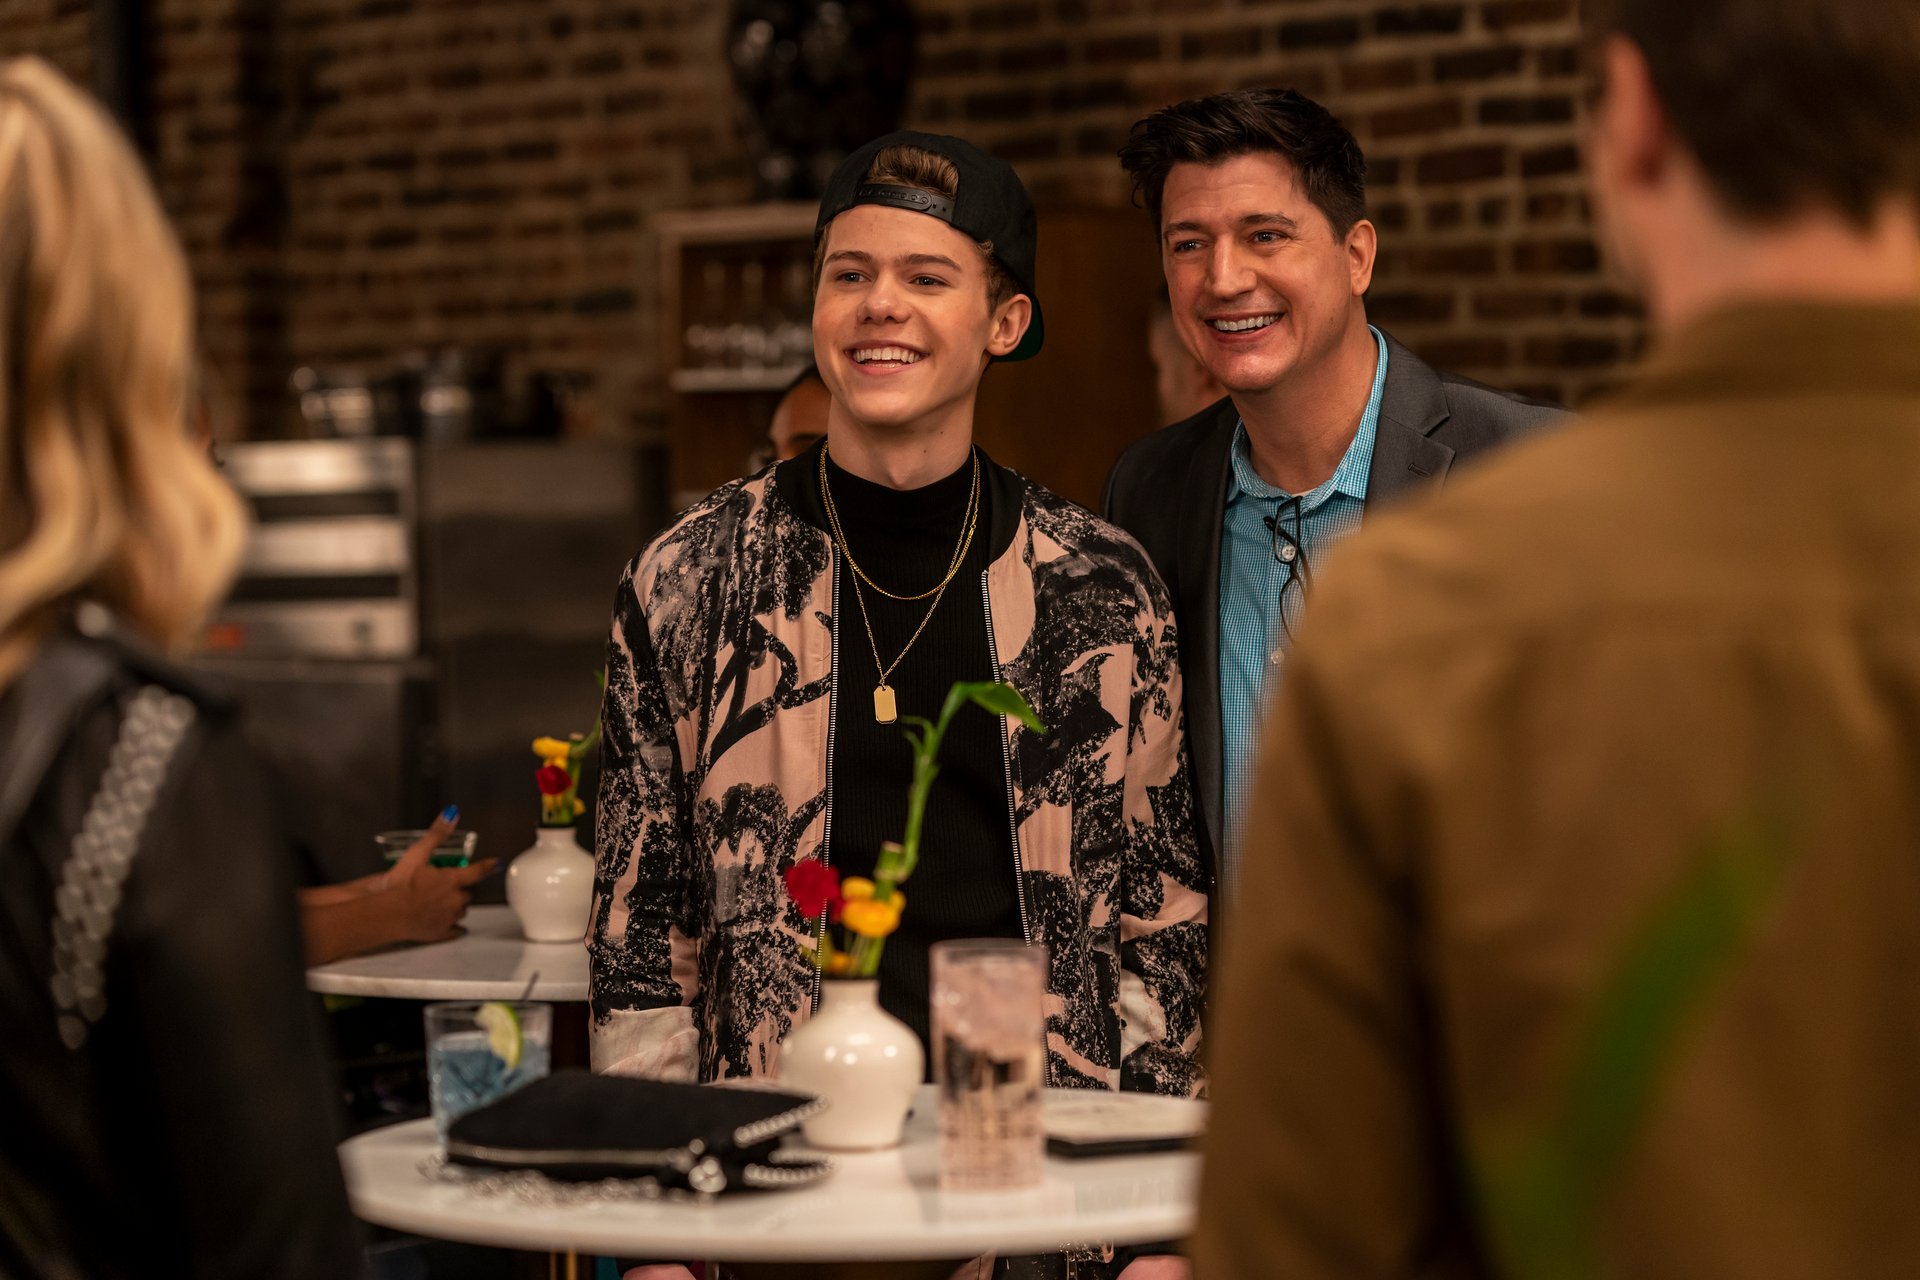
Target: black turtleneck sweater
<point>964,885</point>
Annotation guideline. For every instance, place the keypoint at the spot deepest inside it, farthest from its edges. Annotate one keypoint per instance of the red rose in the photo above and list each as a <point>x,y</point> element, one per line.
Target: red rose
<point>553,780</point>
<point>814,887</point>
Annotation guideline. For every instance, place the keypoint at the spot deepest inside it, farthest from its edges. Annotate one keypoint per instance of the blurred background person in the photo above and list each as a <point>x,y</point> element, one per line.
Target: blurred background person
<point>1585,838</point>
<point>1182,385</point>
<point>800,419</point>
<point>166,1090</point>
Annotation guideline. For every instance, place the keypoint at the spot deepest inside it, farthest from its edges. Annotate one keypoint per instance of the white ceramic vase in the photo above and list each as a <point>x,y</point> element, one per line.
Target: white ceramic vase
<point>550,887</point>
<point>864,1061</point>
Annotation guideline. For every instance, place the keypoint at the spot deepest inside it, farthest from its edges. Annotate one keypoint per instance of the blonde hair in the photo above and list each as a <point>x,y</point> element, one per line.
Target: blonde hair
<point>103,494</point>
<point>904,165</point>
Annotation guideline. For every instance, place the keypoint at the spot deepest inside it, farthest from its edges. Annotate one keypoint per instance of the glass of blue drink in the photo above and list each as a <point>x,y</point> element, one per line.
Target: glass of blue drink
<point>478,1052</point>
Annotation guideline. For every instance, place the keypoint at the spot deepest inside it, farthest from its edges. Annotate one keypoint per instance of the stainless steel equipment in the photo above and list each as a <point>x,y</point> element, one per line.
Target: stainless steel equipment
<point>409,617</point>
<point>321,636</point>
<point>331,569</point>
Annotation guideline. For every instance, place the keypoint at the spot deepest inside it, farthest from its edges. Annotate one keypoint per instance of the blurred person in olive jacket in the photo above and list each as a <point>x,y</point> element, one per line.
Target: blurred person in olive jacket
<point>1587,840</point>
<point>165,1093</point>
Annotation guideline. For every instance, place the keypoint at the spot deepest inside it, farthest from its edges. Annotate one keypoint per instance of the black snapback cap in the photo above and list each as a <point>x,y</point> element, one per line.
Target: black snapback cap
<point>991,204</point>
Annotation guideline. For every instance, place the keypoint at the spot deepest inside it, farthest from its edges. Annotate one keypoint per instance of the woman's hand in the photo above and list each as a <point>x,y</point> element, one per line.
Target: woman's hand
<point>425,902</point>
<point>413,901</point>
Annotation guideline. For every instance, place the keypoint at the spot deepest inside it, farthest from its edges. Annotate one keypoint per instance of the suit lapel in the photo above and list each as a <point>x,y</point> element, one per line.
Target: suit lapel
<point>1203,496</point>
<point>1412,404</point>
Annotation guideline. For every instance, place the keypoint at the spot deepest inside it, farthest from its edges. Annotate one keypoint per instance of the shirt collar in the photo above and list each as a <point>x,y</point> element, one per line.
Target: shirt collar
<point>1349,478</point>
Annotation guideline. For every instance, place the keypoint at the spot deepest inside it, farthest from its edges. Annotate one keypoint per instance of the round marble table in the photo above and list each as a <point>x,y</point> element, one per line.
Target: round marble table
<point>876,1207</point>
<point>491,961</point>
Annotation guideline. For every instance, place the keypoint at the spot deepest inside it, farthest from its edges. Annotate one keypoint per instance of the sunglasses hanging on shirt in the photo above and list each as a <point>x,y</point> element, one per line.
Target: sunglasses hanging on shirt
<point>1290,550</point>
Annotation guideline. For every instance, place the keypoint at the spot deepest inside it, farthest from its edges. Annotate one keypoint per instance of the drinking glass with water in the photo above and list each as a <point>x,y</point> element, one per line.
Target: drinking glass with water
<point>480,1052</point>
<point>989,1035</point>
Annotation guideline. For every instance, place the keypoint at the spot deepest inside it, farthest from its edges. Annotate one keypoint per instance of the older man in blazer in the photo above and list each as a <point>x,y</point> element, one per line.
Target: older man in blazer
<point>1259,198</point>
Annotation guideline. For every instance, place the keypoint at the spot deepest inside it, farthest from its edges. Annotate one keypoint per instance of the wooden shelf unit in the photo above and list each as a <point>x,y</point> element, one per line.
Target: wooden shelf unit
<point>717,415</point>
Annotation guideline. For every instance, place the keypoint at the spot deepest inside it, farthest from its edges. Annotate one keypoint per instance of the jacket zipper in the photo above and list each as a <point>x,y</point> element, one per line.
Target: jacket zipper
<point>1013,817</point>
<point>1006,763</point>
<point>826,804</point>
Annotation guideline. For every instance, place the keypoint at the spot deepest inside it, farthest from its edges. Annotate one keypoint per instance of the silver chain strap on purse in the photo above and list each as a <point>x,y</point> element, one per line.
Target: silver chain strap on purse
<point>88,899</point>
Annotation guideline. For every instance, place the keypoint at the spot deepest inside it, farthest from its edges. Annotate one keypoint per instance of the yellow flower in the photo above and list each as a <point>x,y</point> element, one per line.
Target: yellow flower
<point>561,762</point>
<point>548,748</point>
<point>856,889</point>
<point>839,963</point>
<point>579,806</point>
<point>871,919</point>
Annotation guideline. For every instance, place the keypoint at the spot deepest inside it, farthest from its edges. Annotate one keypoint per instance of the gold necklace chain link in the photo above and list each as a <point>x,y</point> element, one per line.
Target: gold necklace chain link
<point>959,555</point>
<point>883,701</point>
<point>868,619</point>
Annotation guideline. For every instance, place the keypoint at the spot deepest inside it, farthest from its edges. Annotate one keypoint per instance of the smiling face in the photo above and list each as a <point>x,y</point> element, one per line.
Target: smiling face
<point>1263,291</point>
<point>902,328</point>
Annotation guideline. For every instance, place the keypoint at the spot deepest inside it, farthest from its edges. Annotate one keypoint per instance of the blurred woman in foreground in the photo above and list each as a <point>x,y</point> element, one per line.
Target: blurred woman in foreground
<point>165,1090</point>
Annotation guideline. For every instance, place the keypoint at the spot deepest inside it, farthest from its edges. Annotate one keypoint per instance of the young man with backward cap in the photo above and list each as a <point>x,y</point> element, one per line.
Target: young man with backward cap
<point>765,644</point>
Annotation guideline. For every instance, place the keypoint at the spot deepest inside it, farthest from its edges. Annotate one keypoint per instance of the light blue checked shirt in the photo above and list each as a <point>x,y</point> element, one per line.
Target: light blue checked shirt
<point>1252,641</point>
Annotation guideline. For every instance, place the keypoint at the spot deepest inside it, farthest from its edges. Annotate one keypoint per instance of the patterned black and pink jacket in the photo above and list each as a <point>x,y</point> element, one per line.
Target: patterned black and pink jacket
<point>721,672</point>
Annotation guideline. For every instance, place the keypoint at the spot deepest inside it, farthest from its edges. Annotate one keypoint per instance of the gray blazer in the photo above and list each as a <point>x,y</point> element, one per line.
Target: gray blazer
<point>1170,492</point>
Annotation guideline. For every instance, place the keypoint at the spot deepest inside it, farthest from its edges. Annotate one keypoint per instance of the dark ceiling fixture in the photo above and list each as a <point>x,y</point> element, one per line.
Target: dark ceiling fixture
<point>816,79</point>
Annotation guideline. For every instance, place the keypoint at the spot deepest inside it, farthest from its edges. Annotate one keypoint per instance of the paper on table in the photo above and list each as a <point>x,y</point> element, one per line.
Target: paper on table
<point>1086,1115</point>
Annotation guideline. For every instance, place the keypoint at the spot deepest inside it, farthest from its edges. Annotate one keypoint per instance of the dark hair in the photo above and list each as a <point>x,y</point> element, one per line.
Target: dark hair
<point>809,374</point>
<point>1248,121</point>
<point>909,166</point>
<point>1785,103</point>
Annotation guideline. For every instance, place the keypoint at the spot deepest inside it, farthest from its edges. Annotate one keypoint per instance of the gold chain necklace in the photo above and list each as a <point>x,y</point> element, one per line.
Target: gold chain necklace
<point>885,710</point>
<point>960,552</point>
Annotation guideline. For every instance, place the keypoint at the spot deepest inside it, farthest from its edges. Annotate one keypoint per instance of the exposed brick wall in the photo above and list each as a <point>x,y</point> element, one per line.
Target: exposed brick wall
<point>209,88</point>
<point>213,91</point>
<point>354,178</point>
<point>61,31</point>
<point>1464,107</point>
<point>482,174</point>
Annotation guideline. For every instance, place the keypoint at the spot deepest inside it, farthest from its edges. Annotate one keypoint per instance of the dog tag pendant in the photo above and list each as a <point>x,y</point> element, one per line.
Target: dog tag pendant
<point>883,708</point>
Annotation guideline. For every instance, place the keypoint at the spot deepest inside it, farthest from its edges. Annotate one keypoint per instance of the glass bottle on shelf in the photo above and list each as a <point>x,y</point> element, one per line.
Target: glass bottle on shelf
<point>705,336</point>
<point>794,336</point>
<point>748,335</point>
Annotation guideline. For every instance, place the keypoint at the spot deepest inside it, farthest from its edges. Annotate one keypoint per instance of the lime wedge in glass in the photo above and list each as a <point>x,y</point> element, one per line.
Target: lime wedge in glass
<point>502,1026</point>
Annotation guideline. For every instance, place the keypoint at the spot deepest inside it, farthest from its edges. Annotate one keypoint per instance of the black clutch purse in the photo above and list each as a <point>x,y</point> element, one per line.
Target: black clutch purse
<point>574,1126</point>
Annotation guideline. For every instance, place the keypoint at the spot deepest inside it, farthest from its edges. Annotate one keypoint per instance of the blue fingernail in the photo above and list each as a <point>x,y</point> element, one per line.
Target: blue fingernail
<point>451,813</point>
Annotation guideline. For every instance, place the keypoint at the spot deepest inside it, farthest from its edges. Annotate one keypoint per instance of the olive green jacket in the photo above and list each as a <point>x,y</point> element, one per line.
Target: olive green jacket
<point>1527,713</point>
